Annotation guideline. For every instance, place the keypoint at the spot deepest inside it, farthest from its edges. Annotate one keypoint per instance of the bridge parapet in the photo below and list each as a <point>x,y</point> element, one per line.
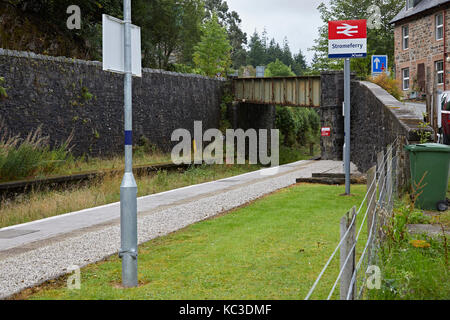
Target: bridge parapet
<point>288,91</point>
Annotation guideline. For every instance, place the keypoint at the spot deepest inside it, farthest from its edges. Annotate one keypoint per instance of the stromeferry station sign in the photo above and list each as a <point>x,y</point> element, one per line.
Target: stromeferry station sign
<point>347,39</point>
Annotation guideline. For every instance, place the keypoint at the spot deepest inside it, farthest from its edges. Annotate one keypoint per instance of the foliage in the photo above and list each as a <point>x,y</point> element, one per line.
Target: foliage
<point>212,53</point>
<point>22,158</point>
<point>247,71</point>
<point>184,68</point>
<point>86,94</point>
<point>297,153</point>
<point>299,64</point>
<point>3,93</point>
<point>424,132</point>
<point>379,41</point>
<point>278,69</point>
<point>227,100</point>
<point>413,267</point>
<point>170,27</point>
<point>231,21</point>
<point>40,26</point>
<point>256,54</point>
<point>392,86</point>
<point>414,270</point>
<point>298,126</point>
<point>263,52</point>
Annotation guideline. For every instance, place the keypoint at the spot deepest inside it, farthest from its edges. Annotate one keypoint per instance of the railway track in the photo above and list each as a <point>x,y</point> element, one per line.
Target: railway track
<point>14,188</point>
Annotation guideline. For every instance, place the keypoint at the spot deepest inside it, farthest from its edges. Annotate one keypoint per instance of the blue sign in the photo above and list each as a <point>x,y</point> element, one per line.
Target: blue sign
<point>379,64</point>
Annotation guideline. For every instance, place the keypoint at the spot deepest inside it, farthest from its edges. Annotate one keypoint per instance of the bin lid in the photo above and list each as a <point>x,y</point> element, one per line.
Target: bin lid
<point>428,147</point>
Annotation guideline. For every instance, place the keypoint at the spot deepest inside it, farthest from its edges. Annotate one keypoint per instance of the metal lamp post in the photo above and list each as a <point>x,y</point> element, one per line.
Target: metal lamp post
<point>128,188</point>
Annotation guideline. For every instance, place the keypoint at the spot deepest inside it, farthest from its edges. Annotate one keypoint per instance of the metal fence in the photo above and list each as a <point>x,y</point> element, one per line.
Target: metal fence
<point>357,257</point>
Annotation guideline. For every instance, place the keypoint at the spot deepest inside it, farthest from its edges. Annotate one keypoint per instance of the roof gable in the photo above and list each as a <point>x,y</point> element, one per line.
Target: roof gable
<point>419,6</point>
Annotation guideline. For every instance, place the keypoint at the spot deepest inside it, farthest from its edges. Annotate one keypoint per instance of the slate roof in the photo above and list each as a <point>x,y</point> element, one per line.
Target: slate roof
<point>420,6</point>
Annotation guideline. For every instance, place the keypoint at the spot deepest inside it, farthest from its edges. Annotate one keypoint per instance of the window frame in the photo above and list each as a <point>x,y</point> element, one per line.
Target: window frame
<point>439,72</point>
<point>405,38</point>
<point>439,26</point>
<point>405,78</point>
<point>409,4</point>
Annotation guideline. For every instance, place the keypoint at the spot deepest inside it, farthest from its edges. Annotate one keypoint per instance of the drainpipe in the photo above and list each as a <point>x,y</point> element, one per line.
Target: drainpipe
<point>445,49</point>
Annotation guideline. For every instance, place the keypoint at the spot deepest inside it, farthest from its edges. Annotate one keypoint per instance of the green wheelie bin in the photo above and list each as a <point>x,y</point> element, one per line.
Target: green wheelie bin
<point>431,160</point>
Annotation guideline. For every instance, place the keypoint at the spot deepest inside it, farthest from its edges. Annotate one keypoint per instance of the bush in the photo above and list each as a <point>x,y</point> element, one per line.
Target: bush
<point>298,126</point>
<point>390,85</point>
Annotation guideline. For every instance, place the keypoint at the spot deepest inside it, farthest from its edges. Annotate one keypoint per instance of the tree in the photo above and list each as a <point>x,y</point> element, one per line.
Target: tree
<point>257,52</point>
<point>300,66</point>
<point>231,21</point>
<point>170,27</point>
<point>286,56</point>
<point>278,69</point>
<point>274,52</point>
<point>212,53</point>
<point>379,41</point>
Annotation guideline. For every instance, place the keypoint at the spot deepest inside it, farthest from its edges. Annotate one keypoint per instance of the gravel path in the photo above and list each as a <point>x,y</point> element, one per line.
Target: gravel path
<point>36,263</point>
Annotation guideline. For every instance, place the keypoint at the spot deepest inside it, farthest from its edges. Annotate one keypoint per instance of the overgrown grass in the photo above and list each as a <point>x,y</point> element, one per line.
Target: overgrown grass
<point>33,157</point>
<point>414,273</point>
<point>292,154</point>
<point>272,249</point>
<point>414,267</point>
<point>43,204</point>
<point>21,158</point>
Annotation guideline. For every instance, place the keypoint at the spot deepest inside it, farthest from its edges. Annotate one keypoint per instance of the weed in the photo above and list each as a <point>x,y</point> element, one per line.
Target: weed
<point>3,93</point>
<point>423,132</point>
<point>22,158</point>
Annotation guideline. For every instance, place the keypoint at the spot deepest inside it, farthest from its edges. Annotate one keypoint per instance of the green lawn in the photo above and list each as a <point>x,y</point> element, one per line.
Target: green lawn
<point>273,248</point>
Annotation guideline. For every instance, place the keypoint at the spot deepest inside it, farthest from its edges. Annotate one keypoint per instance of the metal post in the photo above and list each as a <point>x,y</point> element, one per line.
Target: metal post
<point>128,188</point>
<point>347,124</point>
<point>346,248</point>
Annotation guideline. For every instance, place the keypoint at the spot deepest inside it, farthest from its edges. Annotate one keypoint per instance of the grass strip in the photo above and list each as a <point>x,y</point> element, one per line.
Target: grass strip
<point>273,248</point>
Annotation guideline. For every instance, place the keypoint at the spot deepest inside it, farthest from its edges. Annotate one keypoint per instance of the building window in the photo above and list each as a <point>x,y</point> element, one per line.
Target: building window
<point>439,67</point>
<point>409,4</point>
<point>405,37</point>
<point>439,26</point>
<point>405,75</point>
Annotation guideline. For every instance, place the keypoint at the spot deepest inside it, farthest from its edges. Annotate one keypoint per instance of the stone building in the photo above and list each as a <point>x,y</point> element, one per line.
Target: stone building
<point>422,34</point>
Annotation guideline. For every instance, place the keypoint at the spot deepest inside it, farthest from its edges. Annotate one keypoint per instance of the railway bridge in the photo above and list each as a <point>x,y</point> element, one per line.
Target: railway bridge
<point>377,118</point>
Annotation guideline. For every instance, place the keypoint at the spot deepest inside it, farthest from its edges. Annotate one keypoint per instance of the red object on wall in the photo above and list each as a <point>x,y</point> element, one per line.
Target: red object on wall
<point>326,132</point>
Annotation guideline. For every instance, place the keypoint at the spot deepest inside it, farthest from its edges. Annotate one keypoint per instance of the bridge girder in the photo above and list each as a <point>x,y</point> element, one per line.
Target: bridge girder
<point>301,91</point>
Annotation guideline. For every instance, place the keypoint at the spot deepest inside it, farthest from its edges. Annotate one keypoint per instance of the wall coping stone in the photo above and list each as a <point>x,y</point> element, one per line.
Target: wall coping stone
<point>407,118</point>
<point>32,55</point>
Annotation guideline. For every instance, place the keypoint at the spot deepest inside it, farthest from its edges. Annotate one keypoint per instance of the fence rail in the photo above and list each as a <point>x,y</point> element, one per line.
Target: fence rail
<point>382,189</point>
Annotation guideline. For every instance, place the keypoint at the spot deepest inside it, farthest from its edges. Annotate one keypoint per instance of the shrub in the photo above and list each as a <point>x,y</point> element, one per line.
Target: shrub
<point>390,85</point>
<point>298,126</point>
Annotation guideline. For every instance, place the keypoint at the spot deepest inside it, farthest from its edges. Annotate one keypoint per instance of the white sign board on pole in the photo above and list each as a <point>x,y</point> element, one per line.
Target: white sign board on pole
<point>113,44</point>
